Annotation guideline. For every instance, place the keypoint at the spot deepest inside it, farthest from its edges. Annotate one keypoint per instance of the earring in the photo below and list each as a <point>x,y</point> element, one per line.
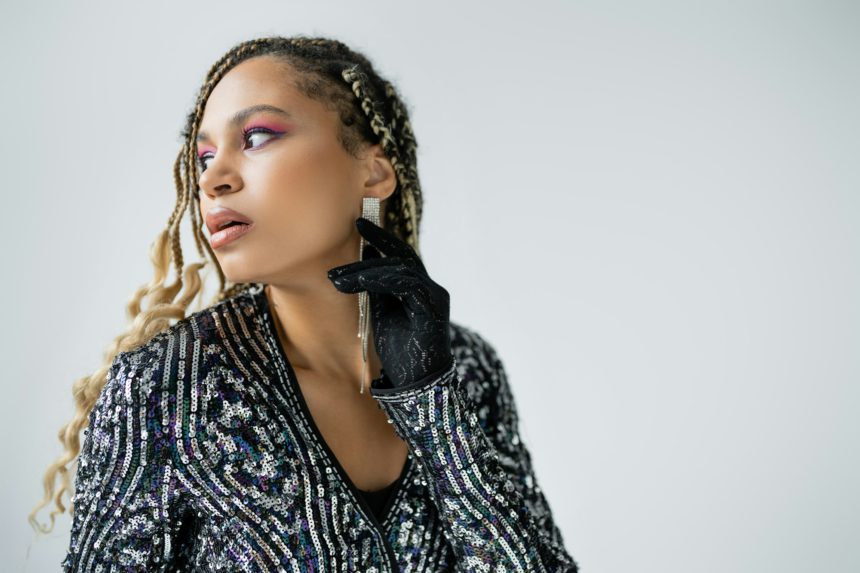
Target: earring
<point>370,211</point>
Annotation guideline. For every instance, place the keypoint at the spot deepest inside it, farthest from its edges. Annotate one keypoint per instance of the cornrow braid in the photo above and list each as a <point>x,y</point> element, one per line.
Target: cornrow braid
<point>370,110</point>
<point>391,145</point>
<point>326,67</point>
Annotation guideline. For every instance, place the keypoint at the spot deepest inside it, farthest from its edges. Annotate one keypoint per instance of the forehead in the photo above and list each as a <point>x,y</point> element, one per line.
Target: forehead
<point>260,80</point>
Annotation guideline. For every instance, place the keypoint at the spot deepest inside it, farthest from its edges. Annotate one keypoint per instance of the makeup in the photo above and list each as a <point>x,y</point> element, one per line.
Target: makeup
<point>205,152</point>
<point>229,234</point>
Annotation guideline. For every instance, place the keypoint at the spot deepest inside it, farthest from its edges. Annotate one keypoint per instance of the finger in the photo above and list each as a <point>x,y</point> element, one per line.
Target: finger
<point>386,241</point>
<point>400,280</point>
<point>353,267</point>
<point>370,252</point>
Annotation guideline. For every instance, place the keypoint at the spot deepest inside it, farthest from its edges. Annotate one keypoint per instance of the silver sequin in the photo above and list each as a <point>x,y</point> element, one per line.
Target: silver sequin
<point>201,455</point>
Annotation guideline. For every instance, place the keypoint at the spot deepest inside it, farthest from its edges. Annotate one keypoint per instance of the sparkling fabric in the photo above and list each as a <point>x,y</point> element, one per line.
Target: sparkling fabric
<point>201,455</point>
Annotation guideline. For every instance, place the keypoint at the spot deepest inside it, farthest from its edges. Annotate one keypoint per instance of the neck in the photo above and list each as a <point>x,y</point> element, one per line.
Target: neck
<point>318,328</point>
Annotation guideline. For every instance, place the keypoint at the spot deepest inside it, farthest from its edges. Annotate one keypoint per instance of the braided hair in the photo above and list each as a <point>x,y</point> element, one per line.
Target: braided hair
<point>370,110</point>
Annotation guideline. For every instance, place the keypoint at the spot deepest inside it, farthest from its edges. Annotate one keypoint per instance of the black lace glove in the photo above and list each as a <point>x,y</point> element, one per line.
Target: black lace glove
<point>408,310</point>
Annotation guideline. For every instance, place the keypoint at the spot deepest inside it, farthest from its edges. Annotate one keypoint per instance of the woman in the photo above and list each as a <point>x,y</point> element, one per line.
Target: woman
<point>241,437</point>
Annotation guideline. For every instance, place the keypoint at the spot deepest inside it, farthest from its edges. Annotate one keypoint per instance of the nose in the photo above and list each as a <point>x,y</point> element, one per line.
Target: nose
<point>219,178</point>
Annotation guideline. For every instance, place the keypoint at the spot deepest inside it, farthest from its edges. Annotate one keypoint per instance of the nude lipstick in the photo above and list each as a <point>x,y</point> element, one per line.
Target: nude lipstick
<point>226,226</point>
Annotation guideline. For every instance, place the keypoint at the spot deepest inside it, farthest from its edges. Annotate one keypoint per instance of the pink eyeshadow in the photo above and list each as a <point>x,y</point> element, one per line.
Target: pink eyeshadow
<point>273,127</point>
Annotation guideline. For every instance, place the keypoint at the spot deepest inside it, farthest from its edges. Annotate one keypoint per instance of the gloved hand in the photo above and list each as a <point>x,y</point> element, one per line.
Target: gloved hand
<point>409,312</point>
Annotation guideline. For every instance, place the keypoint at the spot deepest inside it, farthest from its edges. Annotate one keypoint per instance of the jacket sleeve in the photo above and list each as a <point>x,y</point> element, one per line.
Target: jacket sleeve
<point>468,446</point>
<point>124,503</point>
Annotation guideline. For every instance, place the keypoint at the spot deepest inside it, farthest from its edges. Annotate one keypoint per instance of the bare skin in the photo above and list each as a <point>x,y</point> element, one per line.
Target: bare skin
<point>303,191</point>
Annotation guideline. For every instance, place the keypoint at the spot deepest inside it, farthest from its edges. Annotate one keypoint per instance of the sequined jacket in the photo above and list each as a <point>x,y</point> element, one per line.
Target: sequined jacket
<point>201,455</point>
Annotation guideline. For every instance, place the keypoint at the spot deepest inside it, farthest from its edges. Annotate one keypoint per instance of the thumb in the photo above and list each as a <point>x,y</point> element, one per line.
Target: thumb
<point>370,252</point>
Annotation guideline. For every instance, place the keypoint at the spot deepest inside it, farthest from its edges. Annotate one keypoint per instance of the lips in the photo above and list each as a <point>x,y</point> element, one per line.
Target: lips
<point>220,217</point>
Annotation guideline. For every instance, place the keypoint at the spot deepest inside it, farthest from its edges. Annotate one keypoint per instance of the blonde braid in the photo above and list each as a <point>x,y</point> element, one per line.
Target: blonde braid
<point>358,82</point>
<point>323,65</point>
<point>408,145</point>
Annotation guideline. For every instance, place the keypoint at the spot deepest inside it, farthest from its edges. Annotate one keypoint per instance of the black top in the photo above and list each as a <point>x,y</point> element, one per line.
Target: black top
<point>377,499</point>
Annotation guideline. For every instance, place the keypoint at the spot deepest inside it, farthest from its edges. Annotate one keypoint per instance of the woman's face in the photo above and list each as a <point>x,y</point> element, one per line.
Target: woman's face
<point>287,172</point>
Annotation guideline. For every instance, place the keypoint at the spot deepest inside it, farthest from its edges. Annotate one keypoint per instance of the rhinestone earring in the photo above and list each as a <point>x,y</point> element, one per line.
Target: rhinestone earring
<point>370,211</point>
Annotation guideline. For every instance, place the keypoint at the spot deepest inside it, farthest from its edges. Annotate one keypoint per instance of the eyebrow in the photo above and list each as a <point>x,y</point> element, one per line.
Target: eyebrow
<point>240,116</point>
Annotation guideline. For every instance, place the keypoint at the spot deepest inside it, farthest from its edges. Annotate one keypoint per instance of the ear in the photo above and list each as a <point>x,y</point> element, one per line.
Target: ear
<point>381,179</point>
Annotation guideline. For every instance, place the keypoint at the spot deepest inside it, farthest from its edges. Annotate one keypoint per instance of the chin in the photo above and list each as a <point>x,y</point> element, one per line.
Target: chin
<point>237,272</point>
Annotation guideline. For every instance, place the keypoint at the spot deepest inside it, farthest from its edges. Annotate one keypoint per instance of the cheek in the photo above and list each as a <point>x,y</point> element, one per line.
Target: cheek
<point>305,196</point>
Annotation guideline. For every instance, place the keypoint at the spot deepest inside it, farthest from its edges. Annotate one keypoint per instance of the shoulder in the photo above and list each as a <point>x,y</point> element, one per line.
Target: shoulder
<point>472,347</point>
<point>482,377</point>
<point>181,350</point>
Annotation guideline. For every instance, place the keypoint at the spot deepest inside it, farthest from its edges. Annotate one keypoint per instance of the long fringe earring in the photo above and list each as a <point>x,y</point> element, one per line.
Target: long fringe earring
<point>370,211</point>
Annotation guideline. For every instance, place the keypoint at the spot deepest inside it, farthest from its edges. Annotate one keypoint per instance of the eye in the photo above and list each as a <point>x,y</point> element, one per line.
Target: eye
<point>247,135</point>
<point>201,161</point>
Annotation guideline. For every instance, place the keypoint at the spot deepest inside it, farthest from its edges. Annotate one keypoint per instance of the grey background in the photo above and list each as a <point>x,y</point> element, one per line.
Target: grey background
<point>651,209</point>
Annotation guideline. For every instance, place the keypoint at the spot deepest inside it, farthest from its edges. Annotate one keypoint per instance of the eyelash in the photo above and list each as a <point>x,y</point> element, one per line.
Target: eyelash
<point>245,135</point>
